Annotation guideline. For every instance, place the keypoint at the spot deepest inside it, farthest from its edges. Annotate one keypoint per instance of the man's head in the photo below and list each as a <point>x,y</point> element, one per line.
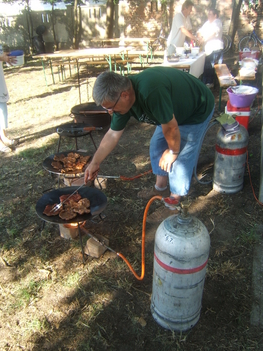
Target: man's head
<point>114,92</point>
<point>212,15</point>
<point>187,7</point>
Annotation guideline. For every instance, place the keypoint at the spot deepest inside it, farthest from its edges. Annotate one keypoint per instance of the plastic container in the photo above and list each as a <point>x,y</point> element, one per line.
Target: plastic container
<point>20,57</point>
<point>195,50</point>
<point>249,54</point>
<point>241,114</point>
<point>242,95</point>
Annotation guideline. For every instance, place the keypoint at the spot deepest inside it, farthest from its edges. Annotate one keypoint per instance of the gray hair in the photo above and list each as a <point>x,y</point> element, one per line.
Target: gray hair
<point>108,87</point>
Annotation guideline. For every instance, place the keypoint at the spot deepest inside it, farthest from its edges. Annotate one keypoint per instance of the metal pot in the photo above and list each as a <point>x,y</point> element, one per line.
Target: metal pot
<point>91,115</point>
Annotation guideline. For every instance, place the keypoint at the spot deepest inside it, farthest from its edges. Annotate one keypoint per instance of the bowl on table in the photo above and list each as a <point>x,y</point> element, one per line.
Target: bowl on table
<point>195,50</point>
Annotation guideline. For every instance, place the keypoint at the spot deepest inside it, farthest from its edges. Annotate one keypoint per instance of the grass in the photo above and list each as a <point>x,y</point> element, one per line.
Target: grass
<point>52,301</point>
<point>249,238</point>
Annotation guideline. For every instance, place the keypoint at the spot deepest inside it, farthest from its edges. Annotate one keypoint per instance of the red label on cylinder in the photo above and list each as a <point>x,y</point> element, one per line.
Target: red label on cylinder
<point>178,270</point>
<point>230,152</point>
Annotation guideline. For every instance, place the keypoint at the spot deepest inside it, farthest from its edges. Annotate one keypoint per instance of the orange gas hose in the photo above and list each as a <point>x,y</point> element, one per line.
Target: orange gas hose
<point>143,241</point>
<point>135,177</point>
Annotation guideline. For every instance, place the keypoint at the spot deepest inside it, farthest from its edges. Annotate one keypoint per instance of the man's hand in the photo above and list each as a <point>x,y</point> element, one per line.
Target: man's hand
<point>167,160</point>
<point>91,172</point>
<point>11,60</point>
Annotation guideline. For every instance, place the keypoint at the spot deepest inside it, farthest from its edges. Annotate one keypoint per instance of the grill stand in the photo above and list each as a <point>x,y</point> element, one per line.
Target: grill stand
<point>81,244</point>
<point>76,142</point>
<point>101,218</point>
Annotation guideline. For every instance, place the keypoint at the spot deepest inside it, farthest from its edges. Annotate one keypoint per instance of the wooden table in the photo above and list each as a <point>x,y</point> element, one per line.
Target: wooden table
<point>90,56</point>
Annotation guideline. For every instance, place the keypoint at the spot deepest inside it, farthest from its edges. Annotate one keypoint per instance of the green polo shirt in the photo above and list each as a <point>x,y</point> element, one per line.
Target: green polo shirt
<point>163,91</point>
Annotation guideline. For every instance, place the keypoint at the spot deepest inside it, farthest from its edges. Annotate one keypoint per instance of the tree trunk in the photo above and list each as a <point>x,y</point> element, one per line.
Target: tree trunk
<point>110,19</point>
<point>76,25</point>
<point>234,19</point>
<point>29,23</point>
<point>53,20</point>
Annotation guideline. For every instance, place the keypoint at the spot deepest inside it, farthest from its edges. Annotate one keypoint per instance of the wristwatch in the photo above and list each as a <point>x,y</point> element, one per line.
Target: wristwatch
<point>173,152</point>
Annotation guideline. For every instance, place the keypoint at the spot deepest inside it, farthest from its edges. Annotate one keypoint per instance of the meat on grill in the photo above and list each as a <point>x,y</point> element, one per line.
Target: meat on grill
<point>71,208</point>
<point>75,197</point>
<point>80,207</point>
<point>57,165</point>
<point>67,214</point>
<point>48,210</point>
<point>72,162</point>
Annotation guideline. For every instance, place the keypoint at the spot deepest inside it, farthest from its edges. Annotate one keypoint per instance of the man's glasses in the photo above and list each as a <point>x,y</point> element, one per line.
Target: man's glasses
<point>112,108</point>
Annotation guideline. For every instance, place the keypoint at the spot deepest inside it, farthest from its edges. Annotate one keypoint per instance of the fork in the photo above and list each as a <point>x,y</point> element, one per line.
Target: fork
<point>58,206</point>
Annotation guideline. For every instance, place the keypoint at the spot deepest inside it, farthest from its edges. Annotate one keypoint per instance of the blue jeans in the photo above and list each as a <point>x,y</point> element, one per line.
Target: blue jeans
<point>181,171</point>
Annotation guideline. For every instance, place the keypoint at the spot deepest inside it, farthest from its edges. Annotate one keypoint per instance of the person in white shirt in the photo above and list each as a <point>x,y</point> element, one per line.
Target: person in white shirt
<point>210,36</point>
<point>181,28</point>
<point>5,142</point>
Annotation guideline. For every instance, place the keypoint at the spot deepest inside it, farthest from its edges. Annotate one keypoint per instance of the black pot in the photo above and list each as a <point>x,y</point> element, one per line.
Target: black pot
<point>91,115</point>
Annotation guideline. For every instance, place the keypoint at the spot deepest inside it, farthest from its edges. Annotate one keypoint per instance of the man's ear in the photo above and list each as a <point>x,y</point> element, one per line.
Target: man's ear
<point>125,94</point>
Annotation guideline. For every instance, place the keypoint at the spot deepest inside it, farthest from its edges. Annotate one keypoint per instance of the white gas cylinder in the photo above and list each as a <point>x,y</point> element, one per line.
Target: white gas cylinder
<point>230,160</point>
<point>181,252</point>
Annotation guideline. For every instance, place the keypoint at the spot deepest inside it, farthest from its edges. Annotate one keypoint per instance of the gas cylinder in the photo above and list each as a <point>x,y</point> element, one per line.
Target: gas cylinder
<point>181,252</point>
<point>230,160</point>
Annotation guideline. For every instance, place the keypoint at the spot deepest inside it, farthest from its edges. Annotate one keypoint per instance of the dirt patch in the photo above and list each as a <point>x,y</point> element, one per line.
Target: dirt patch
<point>50,301</point>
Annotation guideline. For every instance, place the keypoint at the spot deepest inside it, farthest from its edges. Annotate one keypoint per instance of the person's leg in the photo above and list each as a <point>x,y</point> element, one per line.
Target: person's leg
<point>209,71</point>
<point>208,75</point>
<point>3,126</point>
<point>158,145</point>
<point>182,170</point>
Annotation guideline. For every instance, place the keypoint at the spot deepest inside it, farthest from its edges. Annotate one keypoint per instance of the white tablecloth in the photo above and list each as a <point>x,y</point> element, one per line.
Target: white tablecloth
<point>194,65</point>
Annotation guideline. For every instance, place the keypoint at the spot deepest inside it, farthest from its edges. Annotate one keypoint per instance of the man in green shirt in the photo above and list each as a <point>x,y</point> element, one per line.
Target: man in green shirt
<point>180,106</point>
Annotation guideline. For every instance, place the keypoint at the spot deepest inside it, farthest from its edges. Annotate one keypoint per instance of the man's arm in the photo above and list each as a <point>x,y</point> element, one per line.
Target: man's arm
<point>188,33</point>
<point>172,135</point>
<point>108,143</point>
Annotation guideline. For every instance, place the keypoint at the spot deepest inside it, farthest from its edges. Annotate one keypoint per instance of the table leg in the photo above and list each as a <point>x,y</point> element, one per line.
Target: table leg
<point>78,80</point>
<point>43,66</point>
<point>108,59</point>
<point>52,73</point>
<point>220,96</point>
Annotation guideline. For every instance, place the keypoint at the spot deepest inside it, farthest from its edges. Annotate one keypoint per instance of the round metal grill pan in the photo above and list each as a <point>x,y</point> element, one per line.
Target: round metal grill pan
<point>98,202</point>
<point>70,174</point>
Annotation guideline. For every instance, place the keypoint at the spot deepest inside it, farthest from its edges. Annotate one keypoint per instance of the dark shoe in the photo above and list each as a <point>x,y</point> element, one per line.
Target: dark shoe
<point>148,193</point>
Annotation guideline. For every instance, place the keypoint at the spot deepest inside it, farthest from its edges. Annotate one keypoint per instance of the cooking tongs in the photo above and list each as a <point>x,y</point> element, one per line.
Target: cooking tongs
<point>72,129</point>
<point>58,206</point>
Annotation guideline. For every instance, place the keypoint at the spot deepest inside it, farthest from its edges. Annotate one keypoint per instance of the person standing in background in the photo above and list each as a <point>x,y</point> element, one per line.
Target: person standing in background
<point>181,28</point>
<point>5,142</point>
<point>210,36</point>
